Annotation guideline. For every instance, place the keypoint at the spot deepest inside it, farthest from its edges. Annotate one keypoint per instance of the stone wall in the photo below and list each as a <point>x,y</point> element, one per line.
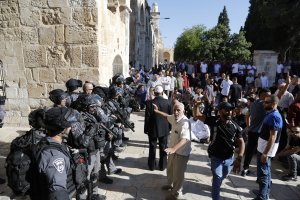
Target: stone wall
<point>43,43</point>
<point>266,61</point>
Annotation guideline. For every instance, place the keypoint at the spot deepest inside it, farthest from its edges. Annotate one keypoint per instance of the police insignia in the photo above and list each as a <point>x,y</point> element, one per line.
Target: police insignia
<point>59,164</point>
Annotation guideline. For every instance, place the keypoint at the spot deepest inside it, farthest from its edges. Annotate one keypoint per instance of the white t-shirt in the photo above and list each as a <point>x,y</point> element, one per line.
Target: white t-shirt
<point>242,69</point>
<point>166,82</point>
<point>203,68</point>
<point>279,68</point>
<point>235,68</point>
<point>217,67</point>
<point>225,85</point>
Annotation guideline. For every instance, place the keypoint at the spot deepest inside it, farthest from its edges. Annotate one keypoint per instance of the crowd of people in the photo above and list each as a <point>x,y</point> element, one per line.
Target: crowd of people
<point>235,110</point>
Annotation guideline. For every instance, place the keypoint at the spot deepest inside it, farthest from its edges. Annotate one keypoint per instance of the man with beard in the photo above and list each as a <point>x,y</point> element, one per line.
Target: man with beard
<point>222,146</point>
<point>179,149</point>
<point>267,146</point>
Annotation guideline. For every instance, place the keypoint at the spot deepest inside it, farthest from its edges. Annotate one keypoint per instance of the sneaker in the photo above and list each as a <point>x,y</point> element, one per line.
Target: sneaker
<point>106,180</point>
<point>116,171</point>
<point>245,172</point>
<point>167,187</point>
<point>289,177</point>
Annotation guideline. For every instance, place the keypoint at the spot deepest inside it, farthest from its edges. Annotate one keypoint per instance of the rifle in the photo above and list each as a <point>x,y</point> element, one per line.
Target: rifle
<point>119,116</point>
<point>90,119</point>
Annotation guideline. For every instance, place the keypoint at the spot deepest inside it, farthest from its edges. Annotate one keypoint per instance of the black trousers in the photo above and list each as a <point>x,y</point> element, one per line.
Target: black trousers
<point>162,142</point>
<point>250,148</point>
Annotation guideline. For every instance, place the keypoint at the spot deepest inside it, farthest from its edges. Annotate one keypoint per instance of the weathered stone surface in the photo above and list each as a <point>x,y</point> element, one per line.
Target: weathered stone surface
<point>57,57</point>
<point>29,16</point>
<point>23,93</point>
<point>29,35</point>
<point>24,3</point>
<point>51,16</point>
<point>13,34</point>
<point>46,35</point>
<point>34,56</point>
<point>66,15</point>
<point>90,56</point>
<point>37,90</point>
<point>59,34</point>
<point>13,117</point>
<point>28,75</point>
<point>47,75</point>
<point>13,74</point>
<point>35,75</point>
<point>24,120</point>
<point>64,74</point>
<point>39,3</point>
<point>23,82</point>
<point>83,16</point>
<point>11,92</point>
<point>83,3</point>
<point>58,3</point>
<point>75,56</point>
<point>89,75</point>
<point>34,103</point>
<point>80,35</point>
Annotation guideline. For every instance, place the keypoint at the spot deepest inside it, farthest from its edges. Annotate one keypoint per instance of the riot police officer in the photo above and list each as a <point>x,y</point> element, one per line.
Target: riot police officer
<point>53,163</point>
<point>72,85</point>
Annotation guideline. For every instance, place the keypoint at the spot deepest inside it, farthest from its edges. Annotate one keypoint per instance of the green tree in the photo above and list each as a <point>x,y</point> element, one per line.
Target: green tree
<point>273,24</point>
<point>238,48</point>
<point>223,18</point>
<point>189,44</point>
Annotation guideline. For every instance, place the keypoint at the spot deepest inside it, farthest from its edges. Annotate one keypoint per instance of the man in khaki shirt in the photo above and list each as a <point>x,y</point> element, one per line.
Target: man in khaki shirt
<point>179,149</point>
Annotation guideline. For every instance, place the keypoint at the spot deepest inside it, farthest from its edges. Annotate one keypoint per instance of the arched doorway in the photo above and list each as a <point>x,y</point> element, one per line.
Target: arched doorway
<point>117,65</point>
<point>167,56</point>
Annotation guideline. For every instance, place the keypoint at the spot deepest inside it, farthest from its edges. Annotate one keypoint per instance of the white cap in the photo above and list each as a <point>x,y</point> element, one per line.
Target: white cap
<point>244,100</point>
<point>158,89</point>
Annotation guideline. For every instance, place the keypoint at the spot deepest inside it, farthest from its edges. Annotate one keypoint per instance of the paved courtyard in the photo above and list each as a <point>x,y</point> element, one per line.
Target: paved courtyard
<point>137,182</point>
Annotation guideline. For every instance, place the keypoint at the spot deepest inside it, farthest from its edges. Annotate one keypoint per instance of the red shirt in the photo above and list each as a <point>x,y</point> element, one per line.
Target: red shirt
<point>185,82</point>
<point>294,114</point>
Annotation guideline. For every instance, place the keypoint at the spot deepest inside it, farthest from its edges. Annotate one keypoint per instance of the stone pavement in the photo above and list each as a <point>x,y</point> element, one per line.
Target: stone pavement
<point>137,182</point>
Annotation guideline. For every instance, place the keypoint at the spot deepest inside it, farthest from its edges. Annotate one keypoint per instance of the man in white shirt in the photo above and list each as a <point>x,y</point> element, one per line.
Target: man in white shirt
<point>235,69</point>
<point>264,80</point>
<point>166,83</point>
<point>173,83</point>
<point>225,86</point>
<point>203,68</point>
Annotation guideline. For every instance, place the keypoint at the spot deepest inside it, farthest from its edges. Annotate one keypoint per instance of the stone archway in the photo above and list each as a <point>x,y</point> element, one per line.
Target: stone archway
<point>117,65</point>
<point>167,56</point>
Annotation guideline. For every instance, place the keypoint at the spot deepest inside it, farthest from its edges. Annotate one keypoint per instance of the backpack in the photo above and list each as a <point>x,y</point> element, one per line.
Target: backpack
<point>18,161</point>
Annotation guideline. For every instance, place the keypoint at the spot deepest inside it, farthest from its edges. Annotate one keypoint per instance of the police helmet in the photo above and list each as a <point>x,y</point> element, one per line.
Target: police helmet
<point>73,84</point>
<point>57,95</point>
<point>36,118</point>
<point>56,119</point>
<point>120,80</point>
<point>116,91</point>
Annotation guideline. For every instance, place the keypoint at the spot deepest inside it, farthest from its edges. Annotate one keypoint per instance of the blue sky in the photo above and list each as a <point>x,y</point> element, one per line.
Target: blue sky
<point>187,13</point>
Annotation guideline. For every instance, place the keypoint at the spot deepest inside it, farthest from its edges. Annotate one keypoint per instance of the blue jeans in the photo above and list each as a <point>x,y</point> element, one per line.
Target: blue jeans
<point>263,177</point>
<point>220,169</point>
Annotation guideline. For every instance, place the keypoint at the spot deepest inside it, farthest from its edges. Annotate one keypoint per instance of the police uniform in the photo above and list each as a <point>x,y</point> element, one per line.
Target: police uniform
<point>53,167</point>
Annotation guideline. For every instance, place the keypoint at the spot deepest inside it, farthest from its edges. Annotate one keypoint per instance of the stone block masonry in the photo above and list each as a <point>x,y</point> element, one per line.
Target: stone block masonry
<point>43,43</point>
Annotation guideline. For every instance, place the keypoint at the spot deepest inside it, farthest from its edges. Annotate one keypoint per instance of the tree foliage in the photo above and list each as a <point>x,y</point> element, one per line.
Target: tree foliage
<point>273,24</point>
<point>189,43</point>
<point>197,43</point>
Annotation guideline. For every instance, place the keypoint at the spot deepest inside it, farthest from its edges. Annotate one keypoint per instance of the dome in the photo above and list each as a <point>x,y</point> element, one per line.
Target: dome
<point>154,7</point>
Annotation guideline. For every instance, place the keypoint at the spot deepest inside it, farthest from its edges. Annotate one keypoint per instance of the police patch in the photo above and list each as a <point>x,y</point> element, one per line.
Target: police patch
<point>59,164</point>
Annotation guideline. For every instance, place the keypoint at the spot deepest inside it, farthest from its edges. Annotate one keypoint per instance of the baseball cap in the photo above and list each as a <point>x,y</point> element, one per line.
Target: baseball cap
<point>243,100</point>
<point>225,105</point>
<point>158,89</point>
